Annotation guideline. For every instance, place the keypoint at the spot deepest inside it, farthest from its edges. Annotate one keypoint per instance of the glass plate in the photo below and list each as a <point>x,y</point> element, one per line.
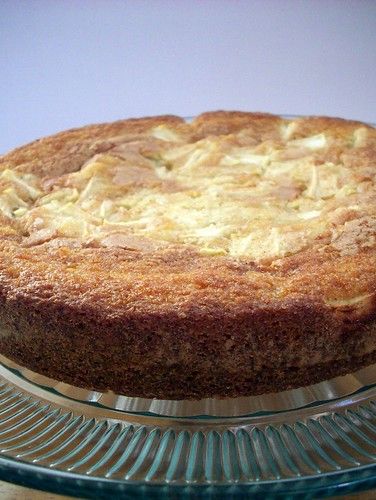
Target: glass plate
<point>56,442</point>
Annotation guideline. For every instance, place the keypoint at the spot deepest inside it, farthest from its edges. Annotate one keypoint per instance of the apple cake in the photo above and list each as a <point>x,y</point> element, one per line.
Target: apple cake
<point>230,255</point>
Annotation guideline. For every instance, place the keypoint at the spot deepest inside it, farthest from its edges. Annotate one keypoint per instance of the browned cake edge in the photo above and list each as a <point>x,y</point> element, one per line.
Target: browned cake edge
<point>253,352</point>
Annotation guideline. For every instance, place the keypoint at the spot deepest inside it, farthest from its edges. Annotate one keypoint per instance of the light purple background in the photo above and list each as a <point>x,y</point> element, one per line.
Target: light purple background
<point>71,62</point>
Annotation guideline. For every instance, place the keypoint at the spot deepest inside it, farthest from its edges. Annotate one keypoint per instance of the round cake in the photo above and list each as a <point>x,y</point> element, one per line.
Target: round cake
<point>227,256</point>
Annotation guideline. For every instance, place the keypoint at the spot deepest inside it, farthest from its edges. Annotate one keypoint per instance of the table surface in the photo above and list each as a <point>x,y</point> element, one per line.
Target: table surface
<point>13,492</point>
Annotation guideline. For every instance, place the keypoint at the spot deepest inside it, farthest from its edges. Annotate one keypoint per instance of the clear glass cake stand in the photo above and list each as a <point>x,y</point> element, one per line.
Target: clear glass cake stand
<point>305,443</point>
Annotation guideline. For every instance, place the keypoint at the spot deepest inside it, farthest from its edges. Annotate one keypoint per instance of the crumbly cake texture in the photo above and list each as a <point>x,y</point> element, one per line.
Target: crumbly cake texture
<point>229,256</point>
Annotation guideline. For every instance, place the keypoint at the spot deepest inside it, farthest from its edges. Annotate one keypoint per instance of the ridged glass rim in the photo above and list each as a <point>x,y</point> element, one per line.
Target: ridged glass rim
<point>33,476</point>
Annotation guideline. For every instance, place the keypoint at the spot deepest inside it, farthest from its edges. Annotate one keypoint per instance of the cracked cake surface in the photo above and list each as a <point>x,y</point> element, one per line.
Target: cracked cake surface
<point>231,255</point>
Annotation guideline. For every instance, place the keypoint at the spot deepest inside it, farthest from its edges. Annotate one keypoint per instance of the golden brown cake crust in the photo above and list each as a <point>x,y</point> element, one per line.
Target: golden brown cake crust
<point>170,321</point>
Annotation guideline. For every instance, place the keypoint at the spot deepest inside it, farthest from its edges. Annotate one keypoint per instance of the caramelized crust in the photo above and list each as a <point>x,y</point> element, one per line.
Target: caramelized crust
<point>229,256</point>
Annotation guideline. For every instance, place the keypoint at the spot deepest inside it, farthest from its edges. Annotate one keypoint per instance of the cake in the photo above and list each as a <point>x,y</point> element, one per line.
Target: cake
<point>230,255</point>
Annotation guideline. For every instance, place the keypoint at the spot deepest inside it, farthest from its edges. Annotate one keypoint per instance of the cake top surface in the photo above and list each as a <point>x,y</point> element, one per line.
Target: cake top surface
<point>227,189</point>
<point>229,194</point>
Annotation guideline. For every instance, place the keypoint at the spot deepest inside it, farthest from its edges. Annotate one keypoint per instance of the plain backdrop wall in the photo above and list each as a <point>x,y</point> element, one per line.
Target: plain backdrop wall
<point>66,63</point>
